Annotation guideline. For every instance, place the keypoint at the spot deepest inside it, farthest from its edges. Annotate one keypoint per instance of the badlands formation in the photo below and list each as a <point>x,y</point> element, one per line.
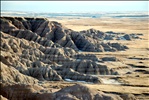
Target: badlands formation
<point>44,60</point>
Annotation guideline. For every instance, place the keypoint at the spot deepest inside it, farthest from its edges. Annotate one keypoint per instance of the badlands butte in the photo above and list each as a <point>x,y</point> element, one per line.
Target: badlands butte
<point>74,59</point>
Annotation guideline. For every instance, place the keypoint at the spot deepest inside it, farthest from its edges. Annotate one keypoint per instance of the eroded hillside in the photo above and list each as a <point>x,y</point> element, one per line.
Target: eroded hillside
<point>36,50</point>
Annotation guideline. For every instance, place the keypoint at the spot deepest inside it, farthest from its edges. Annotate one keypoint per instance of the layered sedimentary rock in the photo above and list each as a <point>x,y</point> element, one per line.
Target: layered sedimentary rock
<point>44,32</point>
<point>10,74</point>
<point>80,92</point>
<point>33,59</point>
<point>87,67</point>
<point>75,92</point>
<point>35,50</point>
<point>86,57</point>
<point>24,91</point>
<point>68,73</point>
<point>38,48</point>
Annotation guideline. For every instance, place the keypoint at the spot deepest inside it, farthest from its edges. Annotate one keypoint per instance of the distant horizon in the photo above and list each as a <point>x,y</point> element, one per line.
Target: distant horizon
<point>75,6</point>
<point>74,12</point>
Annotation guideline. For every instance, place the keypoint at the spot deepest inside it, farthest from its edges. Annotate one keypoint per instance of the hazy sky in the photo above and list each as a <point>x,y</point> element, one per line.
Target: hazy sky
<point>74,6</point>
